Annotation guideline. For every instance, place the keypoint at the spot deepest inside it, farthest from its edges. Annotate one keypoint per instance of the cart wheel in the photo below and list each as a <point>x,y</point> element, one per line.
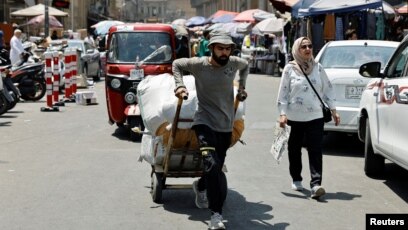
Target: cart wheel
<point>157,187</point>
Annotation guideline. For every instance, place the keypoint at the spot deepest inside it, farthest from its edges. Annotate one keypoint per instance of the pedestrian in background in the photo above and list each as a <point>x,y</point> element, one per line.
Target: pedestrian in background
<point>16,47</point>
<point>89,39</point>
<point>399,34</point>
<point>300,108</point>
<point>213,120</point>
<point>54,35</point>
<point>203,49</point>
<point>351,34</point>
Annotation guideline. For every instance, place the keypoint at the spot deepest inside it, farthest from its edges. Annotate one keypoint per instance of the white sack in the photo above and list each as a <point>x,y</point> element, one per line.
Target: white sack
<point>152,91</point>
<point>188,109</point>
<point>152,149</point>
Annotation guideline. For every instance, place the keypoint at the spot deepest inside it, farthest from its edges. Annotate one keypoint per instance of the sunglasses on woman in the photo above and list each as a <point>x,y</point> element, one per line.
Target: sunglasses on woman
<point>310,46</point>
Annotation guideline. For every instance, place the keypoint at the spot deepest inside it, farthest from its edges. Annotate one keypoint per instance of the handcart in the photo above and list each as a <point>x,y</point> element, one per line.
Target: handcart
<point>185,161</point>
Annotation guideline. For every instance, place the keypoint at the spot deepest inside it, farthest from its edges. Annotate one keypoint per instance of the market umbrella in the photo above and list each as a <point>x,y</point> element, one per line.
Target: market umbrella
<point>179,21</point>
<point>195,21</point>
<point>180,30</point>
<point>231,28</point>
<point>38,9</point>
<point>244,28</point>
<point>283,5</point>
<point>403,9</point>
<point>248,15</point>
<point>40,19</point>
<point>224,18</point>
<point>388,10</point>
<point>102,27</point>
<point>268,26</point>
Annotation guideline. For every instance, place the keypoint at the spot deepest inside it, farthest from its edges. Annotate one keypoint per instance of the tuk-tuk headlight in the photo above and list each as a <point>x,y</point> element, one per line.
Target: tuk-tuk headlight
<point>115,83</point>
<point>130,97</point>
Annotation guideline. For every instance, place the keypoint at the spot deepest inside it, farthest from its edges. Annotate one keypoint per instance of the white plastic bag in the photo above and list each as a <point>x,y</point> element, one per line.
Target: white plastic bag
<point>280,141</point>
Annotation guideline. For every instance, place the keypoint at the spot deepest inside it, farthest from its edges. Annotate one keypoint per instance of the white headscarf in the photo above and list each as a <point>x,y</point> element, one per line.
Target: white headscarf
<point>299,62</point>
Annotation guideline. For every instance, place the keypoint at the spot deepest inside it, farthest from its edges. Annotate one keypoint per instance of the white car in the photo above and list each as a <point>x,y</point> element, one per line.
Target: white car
<point>341,61</point>
<point>383,112</point>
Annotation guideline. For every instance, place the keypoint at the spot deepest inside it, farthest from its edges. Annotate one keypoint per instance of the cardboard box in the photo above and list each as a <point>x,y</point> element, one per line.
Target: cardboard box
<point>85,98</point>
<point>82,33</point>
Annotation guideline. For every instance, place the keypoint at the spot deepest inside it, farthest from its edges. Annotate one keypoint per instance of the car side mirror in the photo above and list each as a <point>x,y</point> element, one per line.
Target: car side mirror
<point>371,69</point>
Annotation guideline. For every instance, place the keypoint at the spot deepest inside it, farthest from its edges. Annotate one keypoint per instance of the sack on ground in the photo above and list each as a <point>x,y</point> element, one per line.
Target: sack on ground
<point>280,141</point>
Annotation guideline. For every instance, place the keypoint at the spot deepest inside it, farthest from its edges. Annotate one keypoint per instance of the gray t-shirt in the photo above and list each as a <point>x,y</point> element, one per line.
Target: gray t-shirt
<point>215,89</point>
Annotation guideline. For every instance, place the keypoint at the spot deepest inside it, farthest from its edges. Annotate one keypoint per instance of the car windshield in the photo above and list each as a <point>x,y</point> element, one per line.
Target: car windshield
<point>76,45</point>
<point>149,47</point>
<point>352,57</point>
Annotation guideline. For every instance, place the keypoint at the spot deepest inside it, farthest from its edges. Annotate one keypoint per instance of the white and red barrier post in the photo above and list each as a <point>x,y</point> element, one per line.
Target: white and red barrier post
<point>74,72</point>
<point>48,82</point>
<point>57,79</point>
<point>68,91</point>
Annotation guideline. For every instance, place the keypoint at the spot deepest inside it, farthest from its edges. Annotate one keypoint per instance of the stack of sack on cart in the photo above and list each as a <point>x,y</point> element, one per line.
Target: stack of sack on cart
<point>158,106</point>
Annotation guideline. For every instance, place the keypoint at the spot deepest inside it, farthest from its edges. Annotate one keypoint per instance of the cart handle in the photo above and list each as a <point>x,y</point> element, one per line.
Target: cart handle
<point>239,97</point>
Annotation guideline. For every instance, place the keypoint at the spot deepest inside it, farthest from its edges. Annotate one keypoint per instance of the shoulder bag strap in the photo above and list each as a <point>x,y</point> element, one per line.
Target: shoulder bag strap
<point>310,83</point>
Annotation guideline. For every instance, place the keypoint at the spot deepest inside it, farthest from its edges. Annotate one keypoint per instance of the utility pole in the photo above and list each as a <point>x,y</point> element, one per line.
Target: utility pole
<point>72,15</point>
<point>47,20</point>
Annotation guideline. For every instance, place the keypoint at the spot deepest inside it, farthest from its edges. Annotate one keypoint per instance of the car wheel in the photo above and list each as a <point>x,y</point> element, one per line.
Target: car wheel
<point>374,163</point>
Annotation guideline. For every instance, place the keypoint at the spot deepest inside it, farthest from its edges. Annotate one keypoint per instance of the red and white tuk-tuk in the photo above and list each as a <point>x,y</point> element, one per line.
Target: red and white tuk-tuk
<point>134,51</point>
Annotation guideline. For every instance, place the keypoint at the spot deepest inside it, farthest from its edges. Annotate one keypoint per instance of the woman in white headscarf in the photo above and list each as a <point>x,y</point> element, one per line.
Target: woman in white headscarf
<point>300,108</point>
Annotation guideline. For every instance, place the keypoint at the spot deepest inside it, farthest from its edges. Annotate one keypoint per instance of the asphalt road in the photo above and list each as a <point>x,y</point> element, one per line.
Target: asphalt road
<point>72,170</point>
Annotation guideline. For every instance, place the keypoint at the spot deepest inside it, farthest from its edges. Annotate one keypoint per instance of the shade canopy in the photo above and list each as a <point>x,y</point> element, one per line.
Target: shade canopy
<point>38,9</point>
<point>40,19</point>
<point>338,6</point>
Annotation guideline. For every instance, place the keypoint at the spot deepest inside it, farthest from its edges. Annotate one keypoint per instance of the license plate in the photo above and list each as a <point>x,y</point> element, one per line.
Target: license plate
<point>354,92</point>
<point>136,74</point>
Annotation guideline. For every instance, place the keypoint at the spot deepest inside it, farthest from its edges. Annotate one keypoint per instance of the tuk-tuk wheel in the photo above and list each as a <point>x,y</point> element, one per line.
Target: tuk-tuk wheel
<point>157,187</point>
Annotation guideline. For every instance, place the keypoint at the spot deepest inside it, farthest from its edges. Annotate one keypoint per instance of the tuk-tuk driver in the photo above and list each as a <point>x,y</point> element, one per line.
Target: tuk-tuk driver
<point>213,120</point>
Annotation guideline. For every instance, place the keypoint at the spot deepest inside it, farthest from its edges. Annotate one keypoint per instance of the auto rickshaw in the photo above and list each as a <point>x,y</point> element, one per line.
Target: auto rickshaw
<point>133,52</point>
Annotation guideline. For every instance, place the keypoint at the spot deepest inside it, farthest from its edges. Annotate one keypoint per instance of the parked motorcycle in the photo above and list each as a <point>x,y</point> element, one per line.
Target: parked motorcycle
<point>4,57</point>
<point>9,94</point>
<point>29,78</point>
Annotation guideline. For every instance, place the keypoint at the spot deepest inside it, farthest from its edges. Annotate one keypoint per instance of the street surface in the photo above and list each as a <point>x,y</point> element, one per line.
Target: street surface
<point>72,170</point>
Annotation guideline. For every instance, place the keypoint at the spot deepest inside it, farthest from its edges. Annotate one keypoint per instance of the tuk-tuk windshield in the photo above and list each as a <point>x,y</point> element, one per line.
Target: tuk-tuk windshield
<point>149,47</point>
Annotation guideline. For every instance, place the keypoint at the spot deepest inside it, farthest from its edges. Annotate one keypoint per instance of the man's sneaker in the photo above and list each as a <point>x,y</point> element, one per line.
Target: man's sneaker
<point>297,185</point>
<point>216,222</point>
<point>201,197</point>
<point>318,191</point>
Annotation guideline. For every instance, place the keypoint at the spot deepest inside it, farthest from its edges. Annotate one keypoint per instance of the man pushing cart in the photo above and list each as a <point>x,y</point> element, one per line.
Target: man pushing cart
<point>213,121</point>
